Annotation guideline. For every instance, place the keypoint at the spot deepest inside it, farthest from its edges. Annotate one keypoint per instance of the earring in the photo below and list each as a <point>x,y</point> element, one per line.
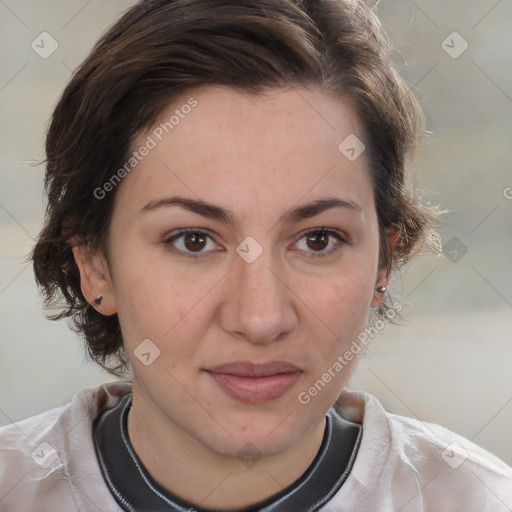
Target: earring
<point>381,289</point>
<point>98,300</point>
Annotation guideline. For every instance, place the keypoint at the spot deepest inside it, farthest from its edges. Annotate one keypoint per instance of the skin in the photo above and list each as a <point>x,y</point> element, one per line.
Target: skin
<point>258,157</point>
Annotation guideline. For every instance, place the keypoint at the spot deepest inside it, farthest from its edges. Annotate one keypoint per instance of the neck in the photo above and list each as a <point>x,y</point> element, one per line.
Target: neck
<point>195,473</point>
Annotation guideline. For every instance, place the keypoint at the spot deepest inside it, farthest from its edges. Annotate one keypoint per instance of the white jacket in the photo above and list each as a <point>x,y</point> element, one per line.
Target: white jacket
<point>48,463</point>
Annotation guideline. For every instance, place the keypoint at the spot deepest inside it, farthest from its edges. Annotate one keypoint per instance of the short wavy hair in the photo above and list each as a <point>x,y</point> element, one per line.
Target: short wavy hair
<point>160,49</point>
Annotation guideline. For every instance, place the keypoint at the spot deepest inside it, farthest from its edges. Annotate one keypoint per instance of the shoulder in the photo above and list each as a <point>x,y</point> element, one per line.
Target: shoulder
<point>425,440</point>
<point>459,470</point>
<point>37,455</point>
<point>408,463</point>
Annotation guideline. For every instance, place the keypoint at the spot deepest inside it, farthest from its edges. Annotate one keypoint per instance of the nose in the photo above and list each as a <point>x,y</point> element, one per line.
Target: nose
<point>260,305</point>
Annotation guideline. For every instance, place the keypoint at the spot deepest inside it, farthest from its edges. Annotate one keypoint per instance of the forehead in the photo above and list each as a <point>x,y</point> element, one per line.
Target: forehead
<point>232,147</point>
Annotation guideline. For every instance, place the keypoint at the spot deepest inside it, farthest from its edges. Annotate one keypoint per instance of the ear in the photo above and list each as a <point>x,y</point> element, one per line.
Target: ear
<point>95,279</point>
<point>383,276</point>
<point>393,233</point>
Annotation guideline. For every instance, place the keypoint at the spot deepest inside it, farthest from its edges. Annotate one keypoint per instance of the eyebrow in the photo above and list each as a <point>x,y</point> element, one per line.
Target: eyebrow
<point>211,211</point>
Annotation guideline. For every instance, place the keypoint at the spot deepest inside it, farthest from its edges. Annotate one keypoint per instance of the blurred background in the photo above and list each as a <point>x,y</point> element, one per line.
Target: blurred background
<point>450,362</point>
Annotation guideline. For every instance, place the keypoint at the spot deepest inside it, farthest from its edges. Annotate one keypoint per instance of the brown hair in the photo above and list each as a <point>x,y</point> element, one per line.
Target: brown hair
<point>160,49</point>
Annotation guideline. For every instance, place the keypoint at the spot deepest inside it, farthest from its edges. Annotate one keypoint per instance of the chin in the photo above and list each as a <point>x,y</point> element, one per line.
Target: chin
<point>260,432</point>
<point>255,445</point>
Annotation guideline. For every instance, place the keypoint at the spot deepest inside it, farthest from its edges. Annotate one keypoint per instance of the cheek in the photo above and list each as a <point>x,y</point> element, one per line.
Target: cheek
<point>341,299</point>
<point>340,307</point>
<point>152,298</point>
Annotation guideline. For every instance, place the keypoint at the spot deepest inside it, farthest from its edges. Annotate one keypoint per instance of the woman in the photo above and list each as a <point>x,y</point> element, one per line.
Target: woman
<point>227,202</point>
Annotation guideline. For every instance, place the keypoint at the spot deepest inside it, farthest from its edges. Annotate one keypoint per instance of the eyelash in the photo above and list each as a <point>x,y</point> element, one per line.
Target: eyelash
<point>168,242</point>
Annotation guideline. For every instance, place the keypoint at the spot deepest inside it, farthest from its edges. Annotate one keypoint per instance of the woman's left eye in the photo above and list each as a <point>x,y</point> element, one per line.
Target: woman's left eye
<point>323,242</point>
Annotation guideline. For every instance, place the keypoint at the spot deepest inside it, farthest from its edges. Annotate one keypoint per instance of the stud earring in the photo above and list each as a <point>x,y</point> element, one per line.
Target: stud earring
<point>381,289</point>
<point>98,300</point>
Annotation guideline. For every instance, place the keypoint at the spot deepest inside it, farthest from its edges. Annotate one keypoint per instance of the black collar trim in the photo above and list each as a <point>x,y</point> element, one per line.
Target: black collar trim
<point>136,491</point>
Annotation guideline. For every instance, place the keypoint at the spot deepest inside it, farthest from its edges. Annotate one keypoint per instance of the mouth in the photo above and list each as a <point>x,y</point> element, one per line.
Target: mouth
<point>255,383</point>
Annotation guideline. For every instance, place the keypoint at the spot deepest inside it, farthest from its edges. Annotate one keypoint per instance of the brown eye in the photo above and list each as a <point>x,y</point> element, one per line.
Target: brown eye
<point>319,241</point>
<point>194,241</point>
<point>190,243</point>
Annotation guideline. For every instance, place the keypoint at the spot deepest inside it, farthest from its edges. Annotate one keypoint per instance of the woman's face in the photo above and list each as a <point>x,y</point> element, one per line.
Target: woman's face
<point>229,322</point>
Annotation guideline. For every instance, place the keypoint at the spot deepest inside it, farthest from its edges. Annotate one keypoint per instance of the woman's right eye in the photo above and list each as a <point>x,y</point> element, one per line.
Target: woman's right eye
<point>190,243</point>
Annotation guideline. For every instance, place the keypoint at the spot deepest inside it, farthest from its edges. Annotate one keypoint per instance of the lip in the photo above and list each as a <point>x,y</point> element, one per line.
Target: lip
<point>255,383</point>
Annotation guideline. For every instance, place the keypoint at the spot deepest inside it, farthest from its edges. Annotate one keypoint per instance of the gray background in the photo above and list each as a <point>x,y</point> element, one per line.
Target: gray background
<point>451,362</point>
